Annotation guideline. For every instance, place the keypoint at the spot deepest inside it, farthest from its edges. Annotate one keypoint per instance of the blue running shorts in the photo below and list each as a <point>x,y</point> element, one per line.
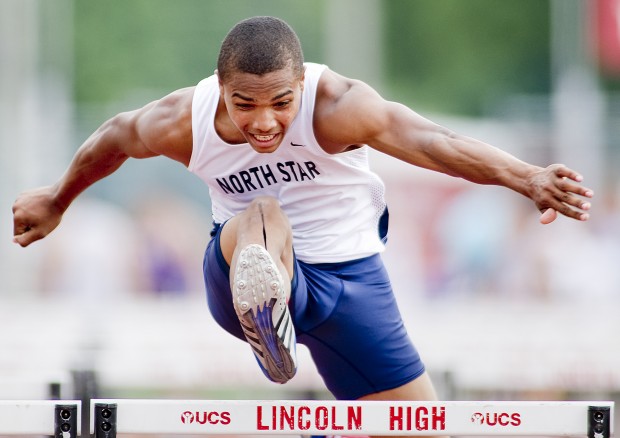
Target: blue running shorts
<point>345,313</point>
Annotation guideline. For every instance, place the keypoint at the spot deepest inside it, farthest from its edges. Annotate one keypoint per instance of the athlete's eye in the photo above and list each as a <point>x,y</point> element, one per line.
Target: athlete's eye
<point>282,104</point>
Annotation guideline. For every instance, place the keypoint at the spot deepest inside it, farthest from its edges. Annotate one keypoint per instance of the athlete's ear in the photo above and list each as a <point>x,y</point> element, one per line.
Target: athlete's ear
<point>302,78</point>
<point>219,82</point>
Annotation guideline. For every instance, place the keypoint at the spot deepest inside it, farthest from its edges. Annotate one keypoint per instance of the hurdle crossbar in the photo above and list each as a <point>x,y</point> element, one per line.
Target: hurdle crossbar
<point>251,417</point>
<point>60,419</point>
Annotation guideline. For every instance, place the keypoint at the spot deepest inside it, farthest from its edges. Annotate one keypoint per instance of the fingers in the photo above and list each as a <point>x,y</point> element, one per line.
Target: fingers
<point>21,225</point>
<point>24,235</point>
<point>564,172</point>
<point>35,215</point>
<point>27,231</point>
<point>23,240</point>
<point>564,193</point>
<point>567,205</point>
<point>20,228</point>
<point>26,227</point>
<point>560,192</point>
<point>564,183</point>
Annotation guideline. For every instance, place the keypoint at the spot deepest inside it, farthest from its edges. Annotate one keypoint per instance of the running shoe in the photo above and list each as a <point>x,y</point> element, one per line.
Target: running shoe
<point>261,304</point>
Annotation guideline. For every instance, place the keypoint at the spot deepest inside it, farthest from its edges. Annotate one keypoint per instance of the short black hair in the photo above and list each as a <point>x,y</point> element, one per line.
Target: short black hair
<point>260,45</point>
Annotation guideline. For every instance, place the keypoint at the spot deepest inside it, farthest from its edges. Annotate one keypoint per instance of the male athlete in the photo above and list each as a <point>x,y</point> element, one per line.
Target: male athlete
<point>299,219</point>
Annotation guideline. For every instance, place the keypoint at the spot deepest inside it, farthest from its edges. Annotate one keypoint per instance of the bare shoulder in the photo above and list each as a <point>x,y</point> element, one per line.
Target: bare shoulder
<point>165,125</point>
<point>347,112</point>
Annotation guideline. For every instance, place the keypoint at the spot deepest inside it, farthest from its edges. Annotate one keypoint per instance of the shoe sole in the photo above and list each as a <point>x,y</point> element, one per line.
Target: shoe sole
<point>259,299</point>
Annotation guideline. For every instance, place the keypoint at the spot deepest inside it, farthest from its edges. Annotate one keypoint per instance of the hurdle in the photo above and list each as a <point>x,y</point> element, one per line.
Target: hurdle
<point>110,417</point>
<point>60,419</point>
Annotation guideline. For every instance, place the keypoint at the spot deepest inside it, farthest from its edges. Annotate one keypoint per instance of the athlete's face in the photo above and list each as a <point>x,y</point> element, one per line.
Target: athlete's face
<point>263,107</point>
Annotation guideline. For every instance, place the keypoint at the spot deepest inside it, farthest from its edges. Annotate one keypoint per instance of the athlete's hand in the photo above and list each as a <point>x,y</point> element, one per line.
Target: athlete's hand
<point>35,215</point>
<point>556,189</point>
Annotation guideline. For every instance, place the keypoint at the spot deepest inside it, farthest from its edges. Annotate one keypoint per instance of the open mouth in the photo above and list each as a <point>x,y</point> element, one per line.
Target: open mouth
<point>264,138</point>
<point>265,141</point>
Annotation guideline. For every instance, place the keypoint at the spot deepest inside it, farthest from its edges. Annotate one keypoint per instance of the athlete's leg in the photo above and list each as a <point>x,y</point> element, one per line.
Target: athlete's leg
<point>356,335</point>
<point>419,389</point>
<point>257,245</point>
<point>265,224</point>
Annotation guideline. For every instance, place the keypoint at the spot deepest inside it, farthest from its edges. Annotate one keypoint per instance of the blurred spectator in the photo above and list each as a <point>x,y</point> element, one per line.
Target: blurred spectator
<point>174,234</point>
<point>102,250</point>
<point>93,253</point>
<point>470,232</point>
<point>564,261</point>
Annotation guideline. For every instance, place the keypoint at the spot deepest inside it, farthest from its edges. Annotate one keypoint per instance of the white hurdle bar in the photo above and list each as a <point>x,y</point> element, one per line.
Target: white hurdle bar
<point>60,419</point>
<point>276,417</point>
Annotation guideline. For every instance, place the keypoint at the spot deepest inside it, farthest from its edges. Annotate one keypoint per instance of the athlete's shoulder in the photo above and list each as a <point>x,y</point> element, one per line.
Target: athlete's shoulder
<point>345,111</point>
<point>165,125</point>
<point>178,98</point>
<point>174,108</point>
<point>332,86</point>
<point>337,93</point>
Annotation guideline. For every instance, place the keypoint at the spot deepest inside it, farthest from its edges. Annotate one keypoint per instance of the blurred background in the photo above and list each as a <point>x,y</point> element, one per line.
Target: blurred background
<point>500,306</point>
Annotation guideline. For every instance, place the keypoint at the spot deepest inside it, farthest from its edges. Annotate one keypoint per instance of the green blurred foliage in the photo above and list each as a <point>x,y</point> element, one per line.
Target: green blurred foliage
<point>161,45</point>
<point>461,56</point>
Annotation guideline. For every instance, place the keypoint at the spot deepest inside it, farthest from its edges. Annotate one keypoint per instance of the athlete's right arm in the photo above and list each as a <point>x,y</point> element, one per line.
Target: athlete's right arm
<point>162,127</point>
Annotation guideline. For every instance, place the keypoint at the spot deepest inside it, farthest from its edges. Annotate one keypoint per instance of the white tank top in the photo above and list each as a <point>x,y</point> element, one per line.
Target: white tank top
<point>333,201</point>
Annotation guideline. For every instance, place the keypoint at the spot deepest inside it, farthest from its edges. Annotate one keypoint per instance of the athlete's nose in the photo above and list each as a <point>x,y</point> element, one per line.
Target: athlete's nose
<point>264,121</point>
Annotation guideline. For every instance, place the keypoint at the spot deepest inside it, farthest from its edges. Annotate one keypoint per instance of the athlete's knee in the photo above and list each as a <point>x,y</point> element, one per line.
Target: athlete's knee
<point>265,204</point>
<point>267,211</point>
<point>265,223</point>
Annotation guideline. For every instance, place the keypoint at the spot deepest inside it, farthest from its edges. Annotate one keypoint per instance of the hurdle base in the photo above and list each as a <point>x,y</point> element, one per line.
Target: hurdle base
<point>105,420</point>
<point>599,422</point>
<point>65,421</point>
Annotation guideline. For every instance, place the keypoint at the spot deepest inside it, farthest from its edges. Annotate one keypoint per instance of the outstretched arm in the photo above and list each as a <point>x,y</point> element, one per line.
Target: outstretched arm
<point>350,112</point>
<point>162,127</point>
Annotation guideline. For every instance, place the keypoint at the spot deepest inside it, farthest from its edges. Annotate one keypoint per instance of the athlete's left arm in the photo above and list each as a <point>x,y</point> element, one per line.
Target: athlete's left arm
<point>351,112</point>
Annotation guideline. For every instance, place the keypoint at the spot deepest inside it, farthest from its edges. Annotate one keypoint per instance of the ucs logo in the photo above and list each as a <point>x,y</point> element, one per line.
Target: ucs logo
<point>205,417</point>
<point>497,419</point>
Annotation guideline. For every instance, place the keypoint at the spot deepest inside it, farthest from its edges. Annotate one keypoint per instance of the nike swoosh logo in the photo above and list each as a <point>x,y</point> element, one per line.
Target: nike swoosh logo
<point>299,145</point>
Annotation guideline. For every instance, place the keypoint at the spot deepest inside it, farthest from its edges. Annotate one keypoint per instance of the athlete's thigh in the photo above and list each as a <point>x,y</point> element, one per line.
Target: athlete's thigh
<point>362,346</point>
<point>228,238</point>
<point>216,271</point>
<point>264,223</point>
<point>217,285</point>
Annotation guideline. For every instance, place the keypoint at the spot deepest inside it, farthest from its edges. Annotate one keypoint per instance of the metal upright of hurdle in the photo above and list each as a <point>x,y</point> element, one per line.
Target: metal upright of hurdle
<point>252,417</point>
<point>60,419</point>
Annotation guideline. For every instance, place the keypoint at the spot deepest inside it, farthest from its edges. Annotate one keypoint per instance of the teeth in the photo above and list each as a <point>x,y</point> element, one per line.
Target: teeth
<point>264,137</point>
